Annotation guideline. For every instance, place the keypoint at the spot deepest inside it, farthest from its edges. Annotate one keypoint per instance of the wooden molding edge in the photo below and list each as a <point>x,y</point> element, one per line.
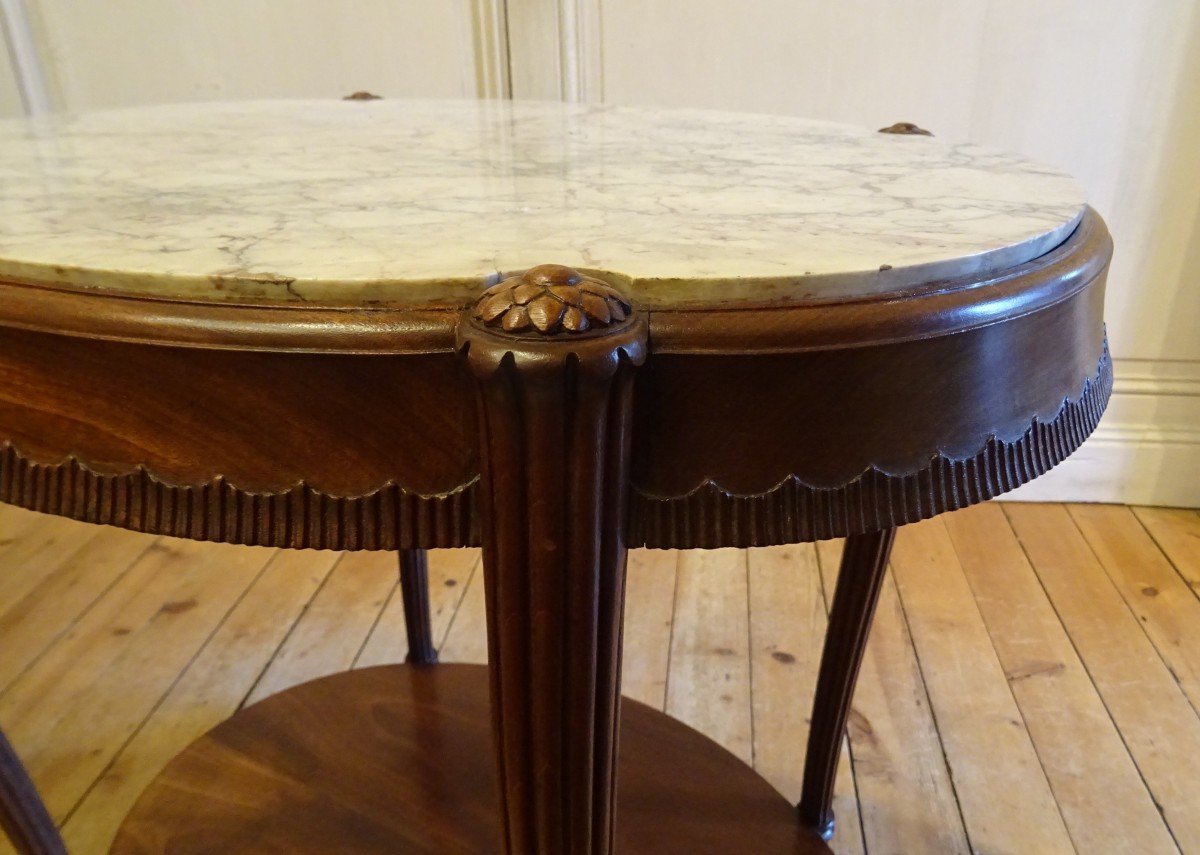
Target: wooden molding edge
<point>390,517</point>
<point>489,38</point>
<point>925,311</point>
<point>795,512</point>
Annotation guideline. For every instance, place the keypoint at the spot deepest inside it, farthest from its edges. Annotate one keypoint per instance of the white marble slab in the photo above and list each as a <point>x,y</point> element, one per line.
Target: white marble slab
<point>418,201</point>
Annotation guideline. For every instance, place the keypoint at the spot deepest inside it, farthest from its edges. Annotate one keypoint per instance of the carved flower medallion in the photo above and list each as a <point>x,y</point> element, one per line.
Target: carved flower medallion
<point>550,299</point>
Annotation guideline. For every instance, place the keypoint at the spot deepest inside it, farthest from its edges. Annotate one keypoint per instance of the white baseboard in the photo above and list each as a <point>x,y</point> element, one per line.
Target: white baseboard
<point>1165,474</point>
<point>1146,450</point>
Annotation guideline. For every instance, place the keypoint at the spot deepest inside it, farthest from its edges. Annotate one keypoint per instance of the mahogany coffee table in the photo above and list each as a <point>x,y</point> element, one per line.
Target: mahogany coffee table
<point>344,326</point>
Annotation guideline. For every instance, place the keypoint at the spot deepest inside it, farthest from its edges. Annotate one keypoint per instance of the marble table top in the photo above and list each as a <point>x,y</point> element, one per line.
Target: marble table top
<point>428,202</point>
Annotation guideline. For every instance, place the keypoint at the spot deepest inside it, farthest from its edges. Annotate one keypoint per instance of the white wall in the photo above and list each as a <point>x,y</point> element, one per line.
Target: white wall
<point>10,97</point>
<point>121,52</point>
<point>1107,89</point>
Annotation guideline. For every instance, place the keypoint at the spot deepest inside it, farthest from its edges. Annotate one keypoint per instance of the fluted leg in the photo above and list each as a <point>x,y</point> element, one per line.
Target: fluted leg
<point>414,594</point>
<point>554,401</point>
<point>859,582</point>
<point>23,817</point>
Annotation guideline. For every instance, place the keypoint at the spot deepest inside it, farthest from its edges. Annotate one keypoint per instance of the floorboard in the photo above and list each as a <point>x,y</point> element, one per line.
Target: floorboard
<point>1152,588</point>
<point>649,618</point>
<point>1155,720</point>
<point>708,686</point>
<point>1177,533</point>
<point>1103,798</point>
<point>900,777</point>
<point>211,689</point>
<point>1031,682</point>
<point>787,629</point>
<point>30,624</point>
<point>976,713</point>
<point>331,632</point>
<point>449,572</point>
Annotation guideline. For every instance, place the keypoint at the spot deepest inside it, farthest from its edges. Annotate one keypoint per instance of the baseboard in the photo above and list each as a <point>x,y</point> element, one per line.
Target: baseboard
<point>1146,450</point>
<point>1165,474</point>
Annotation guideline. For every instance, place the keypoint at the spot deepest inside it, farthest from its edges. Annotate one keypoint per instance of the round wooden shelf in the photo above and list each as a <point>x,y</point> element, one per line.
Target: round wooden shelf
<point>398,759</point>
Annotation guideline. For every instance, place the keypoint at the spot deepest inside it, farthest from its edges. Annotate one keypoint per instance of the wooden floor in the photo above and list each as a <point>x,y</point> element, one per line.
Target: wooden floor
<point>1031,684</point>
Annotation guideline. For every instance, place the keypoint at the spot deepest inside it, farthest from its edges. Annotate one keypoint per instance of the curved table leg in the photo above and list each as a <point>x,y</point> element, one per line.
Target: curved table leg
<point>414,595</point>
<point>23,816</point>
<point>864,562</point>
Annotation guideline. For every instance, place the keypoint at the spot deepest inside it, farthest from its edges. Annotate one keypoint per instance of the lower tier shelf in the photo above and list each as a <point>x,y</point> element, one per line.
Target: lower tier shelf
<point>398,759</point>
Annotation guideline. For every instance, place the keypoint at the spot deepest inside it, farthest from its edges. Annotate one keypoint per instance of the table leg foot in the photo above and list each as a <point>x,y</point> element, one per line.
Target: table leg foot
<point>825,828</point>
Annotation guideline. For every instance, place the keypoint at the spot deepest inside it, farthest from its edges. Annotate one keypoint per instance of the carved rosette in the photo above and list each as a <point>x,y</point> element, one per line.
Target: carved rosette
<point>550,312</point>
<point>549,299</point>
<point>553,356</point>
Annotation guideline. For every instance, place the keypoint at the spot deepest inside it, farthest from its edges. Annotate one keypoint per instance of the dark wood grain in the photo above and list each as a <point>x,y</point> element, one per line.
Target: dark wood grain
<point>841,317</point>
<point>754,425</point>
<point>860,580</point>
<point>555,411</point>
<point>397,759</point>
<point>707,515</point>
<point>794,511</point>
<point>414,596</point>
<point>520,423</point>
<point>23,816</point>
<point>301,517</point>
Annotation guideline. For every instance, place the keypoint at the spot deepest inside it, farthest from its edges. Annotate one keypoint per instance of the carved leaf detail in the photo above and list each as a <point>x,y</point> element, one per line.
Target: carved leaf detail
<point>517,319</point>
<point>525,292</point>
<point>567,293</point>
<point>493,307</point>
<point>596,308</point>
<point>551,299</point>
<point>574,320</point>
<point>545,312</point>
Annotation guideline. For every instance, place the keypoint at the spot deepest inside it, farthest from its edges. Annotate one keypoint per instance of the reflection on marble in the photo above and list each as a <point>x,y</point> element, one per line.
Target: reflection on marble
<point>418,201</point>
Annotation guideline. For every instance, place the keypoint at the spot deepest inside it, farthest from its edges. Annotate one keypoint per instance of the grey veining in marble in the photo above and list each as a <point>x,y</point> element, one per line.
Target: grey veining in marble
<point>423,201</point>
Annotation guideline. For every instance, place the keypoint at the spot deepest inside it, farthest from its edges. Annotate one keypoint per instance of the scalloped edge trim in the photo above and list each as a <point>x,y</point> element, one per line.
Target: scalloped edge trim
<point>708,516</point>
<point>792,511</point>
<point>389,517</point>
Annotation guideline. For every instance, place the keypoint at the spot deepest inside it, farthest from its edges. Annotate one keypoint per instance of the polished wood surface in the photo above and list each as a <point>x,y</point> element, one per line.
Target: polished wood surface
<point>414,595</point>
<point>556,422</point>
<point>555,411</point>
<point>396,759</point>
<point>859,583</point>
<point>966,602</point>
<point>551,355</point>
<point>982,387</point>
